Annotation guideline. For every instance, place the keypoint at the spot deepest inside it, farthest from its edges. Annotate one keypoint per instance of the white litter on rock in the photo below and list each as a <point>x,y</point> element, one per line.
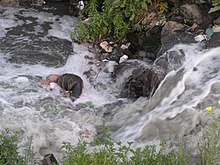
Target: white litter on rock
<point>200,38</point>
<point>54,86</point>
<point>104,45</point>
<point>123,58</point>
<point>125,46</point>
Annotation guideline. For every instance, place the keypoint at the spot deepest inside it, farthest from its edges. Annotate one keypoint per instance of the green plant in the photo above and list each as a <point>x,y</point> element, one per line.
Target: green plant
<point>209,148</point>
<point>216,6</point>
<point>117,19</point>
<point>89,104</point>
<point>8,149</point>
<point>107,152</point>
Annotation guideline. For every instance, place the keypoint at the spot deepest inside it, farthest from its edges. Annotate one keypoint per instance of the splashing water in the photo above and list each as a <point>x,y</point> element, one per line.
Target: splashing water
<point>178,106</point>
<point>33,45</point>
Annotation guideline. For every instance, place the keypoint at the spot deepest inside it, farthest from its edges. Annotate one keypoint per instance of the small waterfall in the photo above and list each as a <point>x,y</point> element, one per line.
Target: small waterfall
<point>178,105</point>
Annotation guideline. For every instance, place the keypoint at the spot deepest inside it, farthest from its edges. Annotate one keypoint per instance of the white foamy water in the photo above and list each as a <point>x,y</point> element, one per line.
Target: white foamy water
<point>179,104</point>
<point>44,118</point>
<point>47,119</point>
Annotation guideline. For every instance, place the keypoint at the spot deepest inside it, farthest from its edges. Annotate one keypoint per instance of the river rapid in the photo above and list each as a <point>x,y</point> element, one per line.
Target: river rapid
<point>33,45</point>
<point>36,43</point>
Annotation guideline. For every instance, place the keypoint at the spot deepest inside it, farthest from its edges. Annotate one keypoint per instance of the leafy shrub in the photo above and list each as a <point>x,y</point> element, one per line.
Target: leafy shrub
<point>117,19</point>
<point>216,6</point>
<point>209,148</point>
<point>8,150</point>
<point>107,152</point>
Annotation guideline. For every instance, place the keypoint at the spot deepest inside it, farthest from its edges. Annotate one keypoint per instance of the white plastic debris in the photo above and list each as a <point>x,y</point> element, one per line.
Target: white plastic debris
<point>125,46</point>
<point>123,58</point>
<point>81,5</point>
<point>54,86</point>
<point>85,21</point>
<point>200,38</point>
<point>104,45</point>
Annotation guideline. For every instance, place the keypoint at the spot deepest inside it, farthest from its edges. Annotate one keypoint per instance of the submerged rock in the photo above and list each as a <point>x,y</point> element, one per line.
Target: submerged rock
<point>49,159</point>
<point>143,82</point>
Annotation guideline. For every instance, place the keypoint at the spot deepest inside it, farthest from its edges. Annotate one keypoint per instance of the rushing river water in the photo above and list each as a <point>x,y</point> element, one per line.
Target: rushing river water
<point>35,44</point>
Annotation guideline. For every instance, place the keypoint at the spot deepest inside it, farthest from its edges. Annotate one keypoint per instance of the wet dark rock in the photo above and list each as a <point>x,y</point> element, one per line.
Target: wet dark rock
<point>171,60</point>
<point>108,110</point>
<point>195,69</point>
<point>49,159</point>
<point>217,21</point>
<point>214,41</point>
<point>143,42</point>
<point>174,33</point>
<point>73,7</point>
<point>179,19</point>
<point>195,13</point>
<point>143,82</point>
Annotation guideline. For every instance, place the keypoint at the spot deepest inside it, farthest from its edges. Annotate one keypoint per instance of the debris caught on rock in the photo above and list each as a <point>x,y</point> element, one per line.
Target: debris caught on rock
<point>200,37</point>
<point>123,58</point>
<point>125,46</point>
<point>105,45</point>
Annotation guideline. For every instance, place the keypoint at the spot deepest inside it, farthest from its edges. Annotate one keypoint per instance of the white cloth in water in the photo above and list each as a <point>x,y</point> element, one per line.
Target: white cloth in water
<point>53,86</point>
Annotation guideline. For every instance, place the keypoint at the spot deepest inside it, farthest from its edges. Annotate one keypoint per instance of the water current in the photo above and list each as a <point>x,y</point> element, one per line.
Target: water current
<point>34,44</point>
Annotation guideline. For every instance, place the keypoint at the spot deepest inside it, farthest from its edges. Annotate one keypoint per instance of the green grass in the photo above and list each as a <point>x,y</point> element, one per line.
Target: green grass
<point>107,152</point>
<point>8,150</point>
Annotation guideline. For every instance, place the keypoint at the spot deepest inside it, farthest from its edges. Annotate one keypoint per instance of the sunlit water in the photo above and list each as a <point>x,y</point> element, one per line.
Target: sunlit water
<point>34,44</point>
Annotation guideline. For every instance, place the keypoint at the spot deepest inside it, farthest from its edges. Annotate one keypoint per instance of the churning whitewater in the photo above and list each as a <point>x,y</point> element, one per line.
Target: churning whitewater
<point>35,44</point>
<point>179,104</point>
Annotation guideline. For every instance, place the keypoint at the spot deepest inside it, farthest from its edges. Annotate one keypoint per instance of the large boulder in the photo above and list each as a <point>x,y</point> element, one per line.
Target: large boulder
<point>143,82</point>
<point>144,45</point>
<point>215,38</point>
<point>174,33</point>
<point>196,14</point>
<point>214,41</point>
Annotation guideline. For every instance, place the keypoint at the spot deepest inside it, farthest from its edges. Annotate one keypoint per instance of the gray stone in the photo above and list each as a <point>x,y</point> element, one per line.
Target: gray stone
<point>49,159</point>
<point>174,33</point>
<point>143,82</point>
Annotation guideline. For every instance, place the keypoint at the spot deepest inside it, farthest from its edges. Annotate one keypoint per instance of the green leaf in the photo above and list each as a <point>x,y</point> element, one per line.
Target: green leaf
<point>214,9</point>
<point>144,5</point>
<point>132,17</point>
